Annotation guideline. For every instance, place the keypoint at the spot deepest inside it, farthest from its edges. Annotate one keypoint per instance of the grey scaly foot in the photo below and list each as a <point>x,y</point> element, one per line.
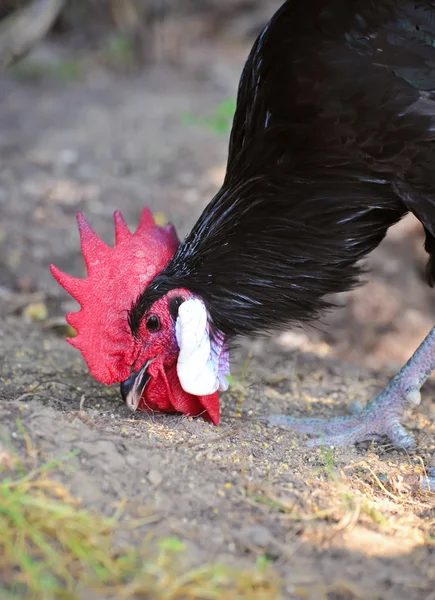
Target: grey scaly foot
<point>381,417</point>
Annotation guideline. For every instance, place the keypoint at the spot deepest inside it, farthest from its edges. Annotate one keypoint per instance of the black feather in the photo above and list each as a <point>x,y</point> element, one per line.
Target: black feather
<point>174,306</point>
<point>332,143</point>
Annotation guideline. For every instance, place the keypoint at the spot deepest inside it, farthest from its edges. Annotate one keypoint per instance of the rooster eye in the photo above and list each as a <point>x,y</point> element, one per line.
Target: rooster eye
<point>153,323</point>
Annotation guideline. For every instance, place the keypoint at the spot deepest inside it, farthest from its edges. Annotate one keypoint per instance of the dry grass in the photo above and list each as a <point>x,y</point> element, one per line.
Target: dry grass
<point>51,547</point>
<point>355,507</point>
<point>360,495</point>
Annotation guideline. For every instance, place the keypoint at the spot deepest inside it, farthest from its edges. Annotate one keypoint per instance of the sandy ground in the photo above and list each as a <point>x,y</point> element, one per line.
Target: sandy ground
<point>352,519</point>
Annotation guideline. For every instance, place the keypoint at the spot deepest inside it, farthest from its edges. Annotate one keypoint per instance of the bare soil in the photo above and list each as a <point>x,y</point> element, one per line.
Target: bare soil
<point>344,523</point>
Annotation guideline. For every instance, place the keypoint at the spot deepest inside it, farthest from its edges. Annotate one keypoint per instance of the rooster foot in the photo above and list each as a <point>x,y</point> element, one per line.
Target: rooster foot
<point>381,417</point>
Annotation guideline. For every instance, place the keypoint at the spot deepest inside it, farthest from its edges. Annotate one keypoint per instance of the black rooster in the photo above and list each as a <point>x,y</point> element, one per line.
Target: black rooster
<point>333,141</point>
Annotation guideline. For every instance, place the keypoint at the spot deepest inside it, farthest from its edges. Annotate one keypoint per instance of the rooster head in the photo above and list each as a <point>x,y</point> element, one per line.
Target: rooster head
<point>168,362</point>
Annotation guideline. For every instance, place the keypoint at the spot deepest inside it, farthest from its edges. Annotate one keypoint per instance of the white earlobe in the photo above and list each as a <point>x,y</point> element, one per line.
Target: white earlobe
<point>195,367</point>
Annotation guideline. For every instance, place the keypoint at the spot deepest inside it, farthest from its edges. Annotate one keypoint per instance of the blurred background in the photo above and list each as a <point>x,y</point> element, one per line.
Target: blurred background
<point>128,103</point>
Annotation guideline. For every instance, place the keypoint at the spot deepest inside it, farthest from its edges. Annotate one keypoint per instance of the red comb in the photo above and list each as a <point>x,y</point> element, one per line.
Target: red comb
<point>115,278</point>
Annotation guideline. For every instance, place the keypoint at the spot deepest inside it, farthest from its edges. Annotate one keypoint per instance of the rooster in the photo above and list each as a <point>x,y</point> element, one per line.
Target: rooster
<point>333,141</point>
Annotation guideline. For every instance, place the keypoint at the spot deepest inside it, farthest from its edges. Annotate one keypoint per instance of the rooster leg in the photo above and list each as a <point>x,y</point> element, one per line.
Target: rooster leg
<point>381,417</point>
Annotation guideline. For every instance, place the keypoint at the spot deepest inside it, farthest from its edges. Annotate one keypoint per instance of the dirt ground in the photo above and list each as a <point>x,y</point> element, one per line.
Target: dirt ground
<point>349,523</point>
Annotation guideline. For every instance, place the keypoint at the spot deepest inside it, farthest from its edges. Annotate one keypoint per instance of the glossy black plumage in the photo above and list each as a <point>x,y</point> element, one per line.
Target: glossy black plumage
<point>332,143</point>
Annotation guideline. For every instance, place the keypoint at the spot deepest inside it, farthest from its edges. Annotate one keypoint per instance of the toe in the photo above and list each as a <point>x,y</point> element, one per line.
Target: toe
<point>400,437</point>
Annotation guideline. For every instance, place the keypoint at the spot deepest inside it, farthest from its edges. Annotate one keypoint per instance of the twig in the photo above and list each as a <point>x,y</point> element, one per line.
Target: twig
<point>24,28</point>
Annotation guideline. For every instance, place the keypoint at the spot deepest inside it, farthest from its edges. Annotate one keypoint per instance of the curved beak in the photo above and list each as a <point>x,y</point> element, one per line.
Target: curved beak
<point>133,387</point>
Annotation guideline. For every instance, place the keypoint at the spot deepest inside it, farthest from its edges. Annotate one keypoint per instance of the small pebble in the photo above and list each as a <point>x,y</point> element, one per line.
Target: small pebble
<point>155,477</point>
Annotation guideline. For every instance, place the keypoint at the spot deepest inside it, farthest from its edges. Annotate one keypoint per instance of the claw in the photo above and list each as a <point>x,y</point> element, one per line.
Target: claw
<point>428,482</point>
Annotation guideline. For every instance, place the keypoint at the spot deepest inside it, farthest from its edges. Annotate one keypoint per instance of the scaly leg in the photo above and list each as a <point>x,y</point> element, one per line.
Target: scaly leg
<point>381,417</point>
